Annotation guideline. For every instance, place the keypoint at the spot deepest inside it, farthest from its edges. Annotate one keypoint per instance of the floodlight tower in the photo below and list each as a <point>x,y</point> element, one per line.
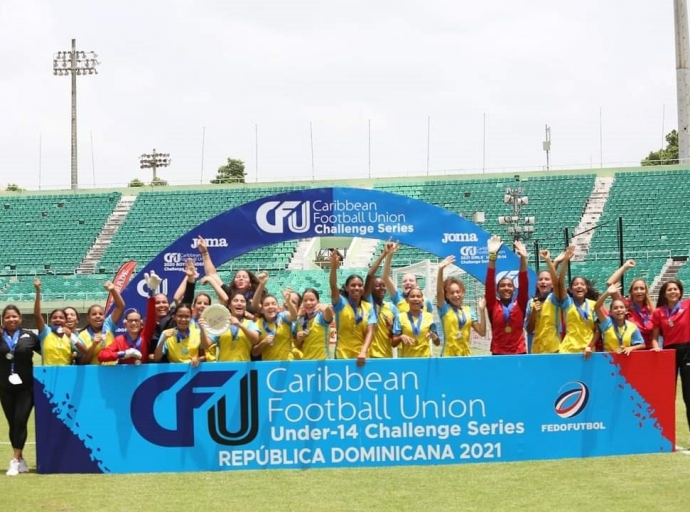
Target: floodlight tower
<point>74,63</point>
<point>154,161</point>
<point>682,79</point>
<point>519,227</point>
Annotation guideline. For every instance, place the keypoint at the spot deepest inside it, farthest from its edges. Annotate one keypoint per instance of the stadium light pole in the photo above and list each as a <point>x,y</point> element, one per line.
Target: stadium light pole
<point>682,78</point>
<point>154,161</point>
<point>547,145</point>
<point>519,227</point>
<point>74,63</point>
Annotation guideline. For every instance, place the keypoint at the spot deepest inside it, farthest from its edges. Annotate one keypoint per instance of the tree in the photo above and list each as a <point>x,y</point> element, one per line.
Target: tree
<point>159,182</point>
<point>13,187</point>
<point>232,172</point>
<point>667,156</point>
<point>136,182</point>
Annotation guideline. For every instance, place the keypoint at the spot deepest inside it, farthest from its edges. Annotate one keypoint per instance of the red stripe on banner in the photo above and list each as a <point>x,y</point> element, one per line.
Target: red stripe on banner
<point>653,376</point>
<point>121,280</point>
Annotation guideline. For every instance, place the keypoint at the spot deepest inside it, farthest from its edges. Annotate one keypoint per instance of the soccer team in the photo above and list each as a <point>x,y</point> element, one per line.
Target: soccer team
<point>557,319</point>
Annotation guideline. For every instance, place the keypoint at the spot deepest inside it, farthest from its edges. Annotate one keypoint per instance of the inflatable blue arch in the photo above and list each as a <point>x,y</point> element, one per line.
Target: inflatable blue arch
<point>324,212</point>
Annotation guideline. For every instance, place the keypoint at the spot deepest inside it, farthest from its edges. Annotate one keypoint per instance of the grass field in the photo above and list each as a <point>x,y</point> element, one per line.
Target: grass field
<point>635,483</point>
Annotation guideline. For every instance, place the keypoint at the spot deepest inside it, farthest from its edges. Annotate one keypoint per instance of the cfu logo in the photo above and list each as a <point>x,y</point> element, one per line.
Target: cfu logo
<point>468,251</point>
<point>193,395</point>
<point>572,399</point>
<point>459,237</point>
<point>172,257</point>
<point>143,290</point>
<point>508,274</point>
<point>210,242</point>
<point>271,216</point>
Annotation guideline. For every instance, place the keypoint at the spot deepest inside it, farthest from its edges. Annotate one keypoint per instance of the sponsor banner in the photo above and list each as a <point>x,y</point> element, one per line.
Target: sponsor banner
<point>327,212</point>
<point>121,280</point>
<point>308,414</point>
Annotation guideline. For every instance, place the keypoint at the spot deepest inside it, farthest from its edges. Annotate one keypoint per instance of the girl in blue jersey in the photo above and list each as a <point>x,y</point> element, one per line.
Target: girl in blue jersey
<point>355,318</point>
<point>619,334</point>
<point>312,327</point>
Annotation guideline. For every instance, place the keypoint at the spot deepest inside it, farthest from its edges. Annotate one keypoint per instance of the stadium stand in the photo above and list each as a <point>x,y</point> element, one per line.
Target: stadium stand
<point>655,206</point>
<point>58,229</point>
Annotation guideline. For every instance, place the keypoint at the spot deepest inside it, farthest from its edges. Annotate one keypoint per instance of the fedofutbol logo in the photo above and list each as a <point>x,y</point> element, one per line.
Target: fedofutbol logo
<point>572,399</point>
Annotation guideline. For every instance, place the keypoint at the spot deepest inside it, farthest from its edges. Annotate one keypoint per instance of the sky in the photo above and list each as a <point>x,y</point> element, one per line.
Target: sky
<point>369,88</point>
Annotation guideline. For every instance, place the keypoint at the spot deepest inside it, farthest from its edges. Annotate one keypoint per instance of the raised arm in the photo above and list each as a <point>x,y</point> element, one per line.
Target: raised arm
<point>291,308</point>
<point>40,323</point>
<point>599,304</point>
<point>117,300</point>
<point>560,290</point>
<point>618,274</point>
<point>217,287</point>
<point>440,290</point>
<point>480,327</point>
<point>493,245</point>
<point>149,327</point>
<point>191,275</point>
<point>391,249</point>
<point>209,267</point>
<point>523,282</point>
<point>259,292</point>
<point>551,265</point>
<point>369,281</point>
<point>333,276</point>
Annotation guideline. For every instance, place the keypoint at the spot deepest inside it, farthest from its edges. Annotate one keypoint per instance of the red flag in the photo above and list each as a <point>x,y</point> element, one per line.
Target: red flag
<point>121,280</point>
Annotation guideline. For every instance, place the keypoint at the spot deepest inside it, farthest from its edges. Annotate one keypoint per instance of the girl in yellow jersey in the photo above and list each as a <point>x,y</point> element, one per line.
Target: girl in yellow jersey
<point>457,320</point>
<point>415,329</point>
<point>201,302</point>
<point>236,343</point>
<point>409,281</point>
<point>100,331</point>
<point>543,317</point>
<point>386,312</point>
<point>57,341</point>
<point>355,318</point>
<point>619,334</point>
<point>312,327</point>
<point>182,344</point>
<point>275,328</point>
<point>577,304</point>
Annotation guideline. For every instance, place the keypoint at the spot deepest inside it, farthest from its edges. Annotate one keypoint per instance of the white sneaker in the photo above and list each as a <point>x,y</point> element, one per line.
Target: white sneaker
<point>14,468</point>
<point>23,466</point>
